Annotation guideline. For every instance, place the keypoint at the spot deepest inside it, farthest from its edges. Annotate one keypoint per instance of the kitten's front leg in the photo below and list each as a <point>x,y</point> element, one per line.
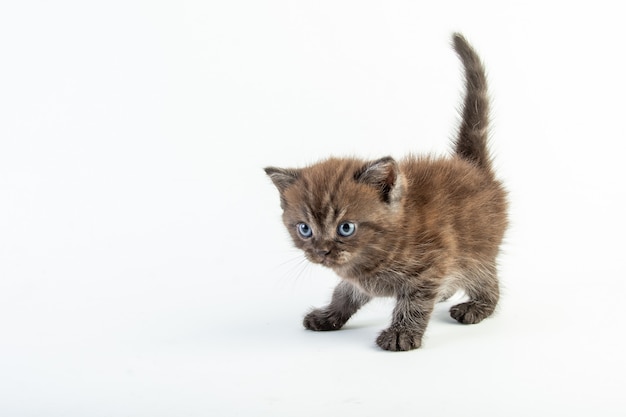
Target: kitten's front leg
<point>410,318</point>
<point>347,299</point>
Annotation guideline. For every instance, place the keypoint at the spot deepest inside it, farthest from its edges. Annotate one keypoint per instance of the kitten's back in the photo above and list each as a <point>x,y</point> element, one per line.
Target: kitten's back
<point>456,197</point>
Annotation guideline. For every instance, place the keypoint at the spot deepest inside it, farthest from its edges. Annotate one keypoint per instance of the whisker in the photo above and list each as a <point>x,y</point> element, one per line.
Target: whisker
<point>291,270</point>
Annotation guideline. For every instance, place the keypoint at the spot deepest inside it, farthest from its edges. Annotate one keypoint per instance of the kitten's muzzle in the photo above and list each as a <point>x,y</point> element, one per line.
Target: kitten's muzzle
<point>322,252</point>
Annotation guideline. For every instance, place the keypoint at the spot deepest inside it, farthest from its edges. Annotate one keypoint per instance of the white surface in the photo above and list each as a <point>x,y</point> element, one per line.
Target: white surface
<point>144,270</point>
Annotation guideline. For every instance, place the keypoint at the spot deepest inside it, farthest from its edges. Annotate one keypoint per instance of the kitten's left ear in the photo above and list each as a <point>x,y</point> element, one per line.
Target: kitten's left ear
<point>282,178</point>
<point>383,174</point>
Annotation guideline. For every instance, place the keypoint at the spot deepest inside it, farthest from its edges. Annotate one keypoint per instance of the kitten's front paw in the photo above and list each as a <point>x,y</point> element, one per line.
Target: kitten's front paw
<point>399,339</point>
<point>323,320</point>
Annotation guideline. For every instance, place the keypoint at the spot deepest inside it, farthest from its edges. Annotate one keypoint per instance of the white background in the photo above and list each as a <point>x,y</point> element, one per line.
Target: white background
<point>144,270</point>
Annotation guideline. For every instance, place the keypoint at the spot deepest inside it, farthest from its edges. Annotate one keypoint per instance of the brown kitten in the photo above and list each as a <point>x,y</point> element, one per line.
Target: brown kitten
<point>419,229</point>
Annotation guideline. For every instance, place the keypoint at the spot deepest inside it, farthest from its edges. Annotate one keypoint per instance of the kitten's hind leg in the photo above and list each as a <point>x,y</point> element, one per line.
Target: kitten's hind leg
<point>481,285</point>
<point>347,299</point>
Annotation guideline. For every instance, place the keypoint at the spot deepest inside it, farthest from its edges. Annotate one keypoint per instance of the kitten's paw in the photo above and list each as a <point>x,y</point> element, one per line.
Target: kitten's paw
<point>470,312</point>
<point>399,340</point>
<point>323,320</point>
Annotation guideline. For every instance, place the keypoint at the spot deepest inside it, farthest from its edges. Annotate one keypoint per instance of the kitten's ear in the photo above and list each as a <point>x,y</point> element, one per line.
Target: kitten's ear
<point>383,174</point>
<point>282,178</point>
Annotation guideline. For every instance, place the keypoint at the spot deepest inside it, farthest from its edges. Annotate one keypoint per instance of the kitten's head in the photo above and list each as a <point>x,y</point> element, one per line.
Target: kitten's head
<point>339,211</point>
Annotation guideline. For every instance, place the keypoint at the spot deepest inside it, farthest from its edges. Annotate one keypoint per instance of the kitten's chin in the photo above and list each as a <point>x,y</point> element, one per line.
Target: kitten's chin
<point>328,263</point>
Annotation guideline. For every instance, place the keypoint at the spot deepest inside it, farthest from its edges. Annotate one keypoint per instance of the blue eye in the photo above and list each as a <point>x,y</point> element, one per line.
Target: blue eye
<point>346,229</point>
<point>304,230</point>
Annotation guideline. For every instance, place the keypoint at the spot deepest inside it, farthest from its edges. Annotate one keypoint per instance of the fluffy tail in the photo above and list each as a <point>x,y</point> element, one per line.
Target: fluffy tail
<point>471,143</point>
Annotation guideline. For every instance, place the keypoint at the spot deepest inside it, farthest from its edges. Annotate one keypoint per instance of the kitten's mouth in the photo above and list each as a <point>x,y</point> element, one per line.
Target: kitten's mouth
<point>329,261</point>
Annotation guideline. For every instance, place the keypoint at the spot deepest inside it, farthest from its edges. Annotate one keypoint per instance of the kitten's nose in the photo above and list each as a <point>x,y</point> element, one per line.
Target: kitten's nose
<point>322,252</point>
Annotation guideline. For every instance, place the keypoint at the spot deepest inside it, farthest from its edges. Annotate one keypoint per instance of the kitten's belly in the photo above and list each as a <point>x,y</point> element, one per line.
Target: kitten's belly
<point>390,284</point>
<point>378,285</point>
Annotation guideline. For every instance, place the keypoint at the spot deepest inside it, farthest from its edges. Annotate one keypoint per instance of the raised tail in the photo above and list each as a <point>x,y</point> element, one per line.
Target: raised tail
<point>471,143</point>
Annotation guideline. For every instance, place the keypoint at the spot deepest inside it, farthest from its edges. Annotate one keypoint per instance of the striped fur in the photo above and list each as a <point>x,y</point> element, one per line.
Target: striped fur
<point>424,227</point>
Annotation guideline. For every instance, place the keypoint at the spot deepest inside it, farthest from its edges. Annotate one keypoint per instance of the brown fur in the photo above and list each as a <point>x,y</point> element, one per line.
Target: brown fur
<point>424,227</point>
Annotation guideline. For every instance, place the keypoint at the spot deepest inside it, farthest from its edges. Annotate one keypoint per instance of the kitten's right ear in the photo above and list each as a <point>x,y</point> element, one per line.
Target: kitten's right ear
<point>282,178</point>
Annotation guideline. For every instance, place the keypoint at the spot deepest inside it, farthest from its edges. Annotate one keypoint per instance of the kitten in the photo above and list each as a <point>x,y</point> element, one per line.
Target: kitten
<point>418,229</point>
